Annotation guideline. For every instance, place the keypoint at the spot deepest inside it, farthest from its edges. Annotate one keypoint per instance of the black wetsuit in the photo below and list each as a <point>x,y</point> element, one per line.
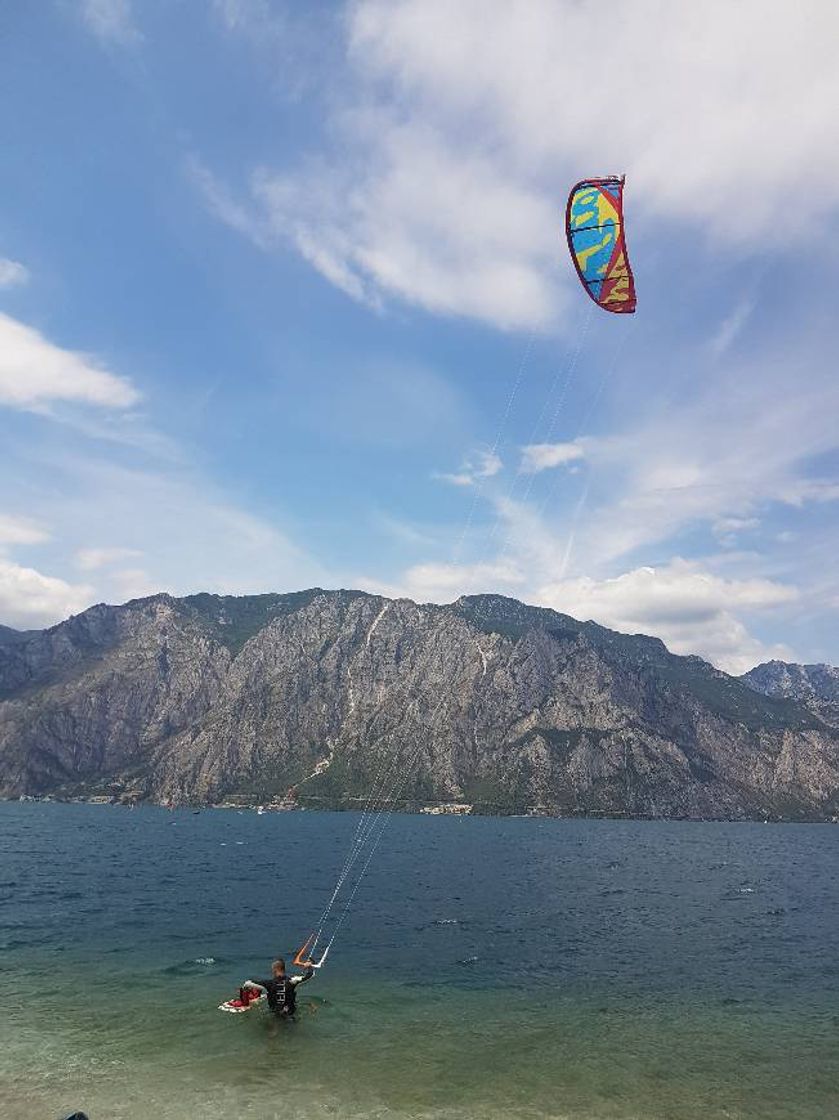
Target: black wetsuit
<point>282,992</point>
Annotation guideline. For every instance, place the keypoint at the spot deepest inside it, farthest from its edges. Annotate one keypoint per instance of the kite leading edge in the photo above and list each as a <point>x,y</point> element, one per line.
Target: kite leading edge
<point>594,227</point>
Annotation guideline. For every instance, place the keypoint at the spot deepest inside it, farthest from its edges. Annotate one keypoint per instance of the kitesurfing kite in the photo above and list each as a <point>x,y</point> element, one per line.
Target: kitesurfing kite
<point>594,227</point>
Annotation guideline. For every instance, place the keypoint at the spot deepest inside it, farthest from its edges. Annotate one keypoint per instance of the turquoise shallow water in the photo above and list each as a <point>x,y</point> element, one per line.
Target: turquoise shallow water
<point>516,968</point>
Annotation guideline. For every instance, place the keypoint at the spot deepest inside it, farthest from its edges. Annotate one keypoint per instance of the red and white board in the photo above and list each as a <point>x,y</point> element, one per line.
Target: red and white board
<point>246,999</point>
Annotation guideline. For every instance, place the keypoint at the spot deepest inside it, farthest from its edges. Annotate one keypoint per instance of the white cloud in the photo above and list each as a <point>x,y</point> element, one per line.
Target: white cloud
<point>715,93</point>
<point>731,327</point>
<point>12,273</point>
<point>221,203</point>
<point>91,559</point>
<point>401,531</point>
<point>474,469</point>
<point>20,530</point>
<point>463,479</point>
<point>421,221</point>
<point>799,491</point>
<point>455,130</point>
<point>538,457</point>
<point>692,610</point>
<point>727,530</point>
<point>727,525</point>
<point>738,441</point>
<point>201,540</point>
<point>133,583</point>
<point>441,582</point>
<point>35,372</point>
<point>246,15</point>
<point>29,599</point>
<point>111,21</point>
<point>691,607</point>
<point>705,452</point>
<point>189,534</point>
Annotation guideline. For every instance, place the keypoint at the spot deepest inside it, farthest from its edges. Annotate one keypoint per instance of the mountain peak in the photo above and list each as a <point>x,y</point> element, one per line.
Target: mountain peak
<point>486,701</point>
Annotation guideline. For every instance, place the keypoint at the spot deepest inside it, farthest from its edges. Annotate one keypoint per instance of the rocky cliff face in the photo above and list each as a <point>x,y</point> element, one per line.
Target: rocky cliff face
<point>816,687</point>
<point>484,701</point>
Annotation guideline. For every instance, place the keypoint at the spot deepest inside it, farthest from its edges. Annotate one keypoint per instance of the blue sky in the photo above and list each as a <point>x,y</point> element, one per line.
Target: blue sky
<point>285,300</point>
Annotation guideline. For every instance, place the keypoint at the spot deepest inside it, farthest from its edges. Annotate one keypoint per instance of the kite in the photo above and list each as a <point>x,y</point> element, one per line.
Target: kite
<point>594,227</point>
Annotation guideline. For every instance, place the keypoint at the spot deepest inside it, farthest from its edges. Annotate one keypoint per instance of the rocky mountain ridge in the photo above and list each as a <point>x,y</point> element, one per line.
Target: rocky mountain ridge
<point>814,686</point>
<point>319,697</point>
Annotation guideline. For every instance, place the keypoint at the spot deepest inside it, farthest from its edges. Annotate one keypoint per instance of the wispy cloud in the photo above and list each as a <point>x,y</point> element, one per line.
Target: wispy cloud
<point>728,530</point>
<point>20,530</point>
<point>537,457</point>
<point>222,204</point>
<point>190,534</point>
<point>283,45</point>
<point>92,559</point>
<point>421,220</point>
<point>800,491</point>
<point>132,583</point>
<point>111,21</point>
<point>740,442</point>
<point>721,463</point>
<point>474,469</point>
<point>731,327</point>
<point>720,95</point>
<point>251,16</point>
<point>35,372</point>
<point>439,184</point>
<point>12,273</point>
<point>693,609</point>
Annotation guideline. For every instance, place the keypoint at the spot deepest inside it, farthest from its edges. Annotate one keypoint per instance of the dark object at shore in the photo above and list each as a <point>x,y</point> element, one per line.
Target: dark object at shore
<point>75,1116</point>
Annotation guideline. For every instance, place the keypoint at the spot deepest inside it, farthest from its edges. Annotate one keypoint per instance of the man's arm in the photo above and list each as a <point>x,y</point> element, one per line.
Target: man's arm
<point>256,984</point>
<point>303,976</point>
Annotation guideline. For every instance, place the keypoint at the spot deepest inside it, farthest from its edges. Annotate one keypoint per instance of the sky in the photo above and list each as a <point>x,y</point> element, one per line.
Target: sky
<point>285,301</point>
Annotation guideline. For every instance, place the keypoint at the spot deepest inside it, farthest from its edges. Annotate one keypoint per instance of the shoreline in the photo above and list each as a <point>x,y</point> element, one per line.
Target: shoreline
<point>398,805</point>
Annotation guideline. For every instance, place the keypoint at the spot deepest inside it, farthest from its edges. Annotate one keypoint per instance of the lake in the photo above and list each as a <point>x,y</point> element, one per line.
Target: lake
<point>515,968</point>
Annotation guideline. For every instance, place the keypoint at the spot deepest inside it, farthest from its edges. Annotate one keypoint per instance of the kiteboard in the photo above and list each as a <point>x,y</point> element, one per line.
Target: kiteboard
<point>246,999</point>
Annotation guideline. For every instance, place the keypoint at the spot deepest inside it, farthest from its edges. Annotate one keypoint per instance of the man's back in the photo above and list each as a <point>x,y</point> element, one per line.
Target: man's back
<point>282,991</point>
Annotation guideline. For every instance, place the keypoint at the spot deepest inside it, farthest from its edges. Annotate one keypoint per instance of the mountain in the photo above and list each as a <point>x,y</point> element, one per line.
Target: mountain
<point>484,701</point>
<point>8,635</point>
<point>816,687</point>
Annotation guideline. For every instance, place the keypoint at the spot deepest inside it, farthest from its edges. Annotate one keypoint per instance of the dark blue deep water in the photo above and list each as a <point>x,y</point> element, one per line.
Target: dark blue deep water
<point>488,967</point>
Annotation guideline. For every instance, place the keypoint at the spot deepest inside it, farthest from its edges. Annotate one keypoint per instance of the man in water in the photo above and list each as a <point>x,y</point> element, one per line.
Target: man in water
<point>281,989</point>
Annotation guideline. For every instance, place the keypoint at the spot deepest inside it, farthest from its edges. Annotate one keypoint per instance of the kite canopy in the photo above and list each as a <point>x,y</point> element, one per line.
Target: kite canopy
<point>594,227</point>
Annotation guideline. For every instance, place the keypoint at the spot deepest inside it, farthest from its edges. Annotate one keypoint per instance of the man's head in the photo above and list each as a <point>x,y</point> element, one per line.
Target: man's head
<point>278,967</point>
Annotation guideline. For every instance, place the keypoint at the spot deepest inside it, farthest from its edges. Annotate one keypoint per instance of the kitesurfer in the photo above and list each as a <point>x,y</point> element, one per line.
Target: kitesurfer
<point>281,988</point>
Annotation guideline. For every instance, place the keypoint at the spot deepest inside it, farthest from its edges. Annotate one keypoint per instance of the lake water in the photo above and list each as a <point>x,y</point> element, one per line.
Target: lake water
<point>489,968</point>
